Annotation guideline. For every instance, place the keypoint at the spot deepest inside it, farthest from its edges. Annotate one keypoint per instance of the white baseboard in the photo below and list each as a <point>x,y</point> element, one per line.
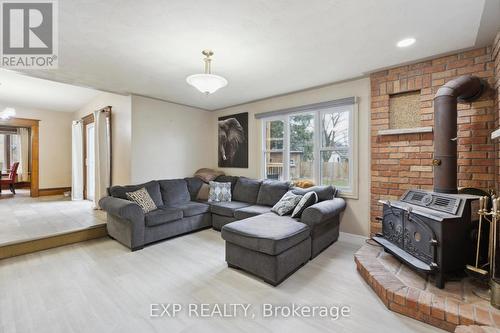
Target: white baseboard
<point>352,238</point>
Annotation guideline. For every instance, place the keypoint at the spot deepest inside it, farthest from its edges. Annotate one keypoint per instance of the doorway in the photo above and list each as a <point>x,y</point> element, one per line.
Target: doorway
<point>20,143</point>
<point>89,161</point>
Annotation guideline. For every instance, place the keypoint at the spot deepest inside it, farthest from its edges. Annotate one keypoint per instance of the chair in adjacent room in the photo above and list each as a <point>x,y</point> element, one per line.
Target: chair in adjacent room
<point>11,179</point>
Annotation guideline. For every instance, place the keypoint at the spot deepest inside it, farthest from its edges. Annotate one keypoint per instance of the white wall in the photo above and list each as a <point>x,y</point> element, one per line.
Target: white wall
<point>121,132</point>
<point>169,140</point>
<point>356,219</point>
<point>55,145</point>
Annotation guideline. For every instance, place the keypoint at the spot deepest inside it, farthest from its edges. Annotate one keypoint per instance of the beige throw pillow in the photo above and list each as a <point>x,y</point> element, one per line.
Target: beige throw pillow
<point>203,192</point>
<point>207,174</point>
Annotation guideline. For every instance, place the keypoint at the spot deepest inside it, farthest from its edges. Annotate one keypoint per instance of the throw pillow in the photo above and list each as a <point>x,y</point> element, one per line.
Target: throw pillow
<point>309,199</point>
<point>219,192</point>
<point>143,199</point>
<point>287,203</point>
<point>203,193</point>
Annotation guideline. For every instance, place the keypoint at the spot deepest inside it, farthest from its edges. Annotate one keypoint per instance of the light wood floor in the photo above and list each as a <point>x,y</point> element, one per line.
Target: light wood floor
<point>100,286</point>
<point>23,218</point>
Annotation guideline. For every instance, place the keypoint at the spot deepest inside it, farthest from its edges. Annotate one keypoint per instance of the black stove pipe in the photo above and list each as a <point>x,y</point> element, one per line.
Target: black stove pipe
<point>465,89</point>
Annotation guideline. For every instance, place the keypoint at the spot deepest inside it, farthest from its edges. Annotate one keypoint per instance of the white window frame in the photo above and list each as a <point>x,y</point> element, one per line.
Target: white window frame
<point>265,151</point>
<point>352,191</point>
<point>315,154</point>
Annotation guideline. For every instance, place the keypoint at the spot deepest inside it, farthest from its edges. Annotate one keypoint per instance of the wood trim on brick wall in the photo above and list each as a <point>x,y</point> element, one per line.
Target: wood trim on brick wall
<point>397,131</point>
<point>403,161</point>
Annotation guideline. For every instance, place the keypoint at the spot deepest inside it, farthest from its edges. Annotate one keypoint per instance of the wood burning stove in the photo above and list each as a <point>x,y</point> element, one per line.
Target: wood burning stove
<point>429,231</point>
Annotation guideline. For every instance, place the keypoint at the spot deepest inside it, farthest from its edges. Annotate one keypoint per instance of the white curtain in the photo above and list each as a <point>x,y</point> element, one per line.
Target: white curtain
<point>77,161</point>
<point>24,145</point>
<point>102,162</point>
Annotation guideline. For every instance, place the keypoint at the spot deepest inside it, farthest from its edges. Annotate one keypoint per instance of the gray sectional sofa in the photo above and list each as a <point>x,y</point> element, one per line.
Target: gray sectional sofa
<point>283,242</point>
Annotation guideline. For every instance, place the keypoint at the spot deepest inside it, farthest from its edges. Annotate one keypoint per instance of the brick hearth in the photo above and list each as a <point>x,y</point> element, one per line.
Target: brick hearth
<point>406,292</point>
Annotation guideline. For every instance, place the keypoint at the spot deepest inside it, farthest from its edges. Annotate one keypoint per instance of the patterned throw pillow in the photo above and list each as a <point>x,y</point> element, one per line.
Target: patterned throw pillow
<point>286,204</point>
<point>309,199</point>
<point>143,199</point>
<point>219,192</point>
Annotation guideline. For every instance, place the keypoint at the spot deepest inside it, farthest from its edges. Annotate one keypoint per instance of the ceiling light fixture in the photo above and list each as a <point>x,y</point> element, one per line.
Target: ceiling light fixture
<point>207,83</point>
<point>406,42</point>
<point>7,113</point>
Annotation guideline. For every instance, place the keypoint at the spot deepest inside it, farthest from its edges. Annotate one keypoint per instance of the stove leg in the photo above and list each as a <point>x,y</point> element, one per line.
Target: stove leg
<point>440,280</point>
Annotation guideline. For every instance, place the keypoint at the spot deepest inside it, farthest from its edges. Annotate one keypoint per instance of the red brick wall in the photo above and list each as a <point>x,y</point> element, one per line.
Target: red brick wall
<point>400,162</point>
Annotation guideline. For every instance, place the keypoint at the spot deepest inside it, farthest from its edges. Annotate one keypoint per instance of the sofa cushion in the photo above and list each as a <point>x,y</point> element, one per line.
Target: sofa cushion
<point>194,184</point>
<point>226,208</point>
<point>228,179</point>
<point>323,211</point>
<point>271,191</point>
<point>266,233</point>
<point>174,191</point>
<point>326,192</point>
<point>246,190</point>
<point>163,215</point>
<point>152,187</point>
<point>251,211</point>
<point>192,208</point>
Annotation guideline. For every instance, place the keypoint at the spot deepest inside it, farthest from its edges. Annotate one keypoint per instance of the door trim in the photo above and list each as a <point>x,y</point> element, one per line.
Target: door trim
<point>88,119</point>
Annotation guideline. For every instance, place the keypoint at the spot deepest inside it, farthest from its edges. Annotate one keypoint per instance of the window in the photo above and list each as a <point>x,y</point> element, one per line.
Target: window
<point>301,147</point>
<point>273,149</point>
<point>316,145</point>
<point>335,152</point>
<point>9,150</point>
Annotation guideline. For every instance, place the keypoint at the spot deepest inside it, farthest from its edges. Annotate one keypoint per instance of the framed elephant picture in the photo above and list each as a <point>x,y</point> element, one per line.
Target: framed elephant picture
<point>233,141</point>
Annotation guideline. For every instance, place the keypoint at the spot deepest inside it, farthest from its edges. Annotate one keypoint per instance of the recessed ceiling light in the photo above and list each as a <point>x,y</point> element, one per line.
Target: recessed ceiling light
<point>406,42</point>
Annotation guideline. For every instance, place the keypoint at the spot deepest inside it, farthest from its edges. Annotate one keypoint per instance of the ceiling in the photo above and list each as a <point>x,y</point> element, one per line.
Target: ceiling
<point>264,48</point>
<point>17,90</point>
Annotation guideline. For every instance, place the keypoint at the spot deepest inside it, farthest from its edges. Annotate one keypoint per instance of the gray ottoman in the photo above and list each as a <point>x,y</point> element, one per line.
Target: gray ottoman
<point>269,246</point>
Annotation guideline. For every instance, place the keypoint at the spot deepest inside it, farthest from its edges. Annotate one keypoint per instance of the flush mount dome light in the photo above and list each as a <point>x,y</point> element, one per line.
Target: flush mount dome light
<point>406,42</point>
<point>207,83</point>
<point>7,113</point>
